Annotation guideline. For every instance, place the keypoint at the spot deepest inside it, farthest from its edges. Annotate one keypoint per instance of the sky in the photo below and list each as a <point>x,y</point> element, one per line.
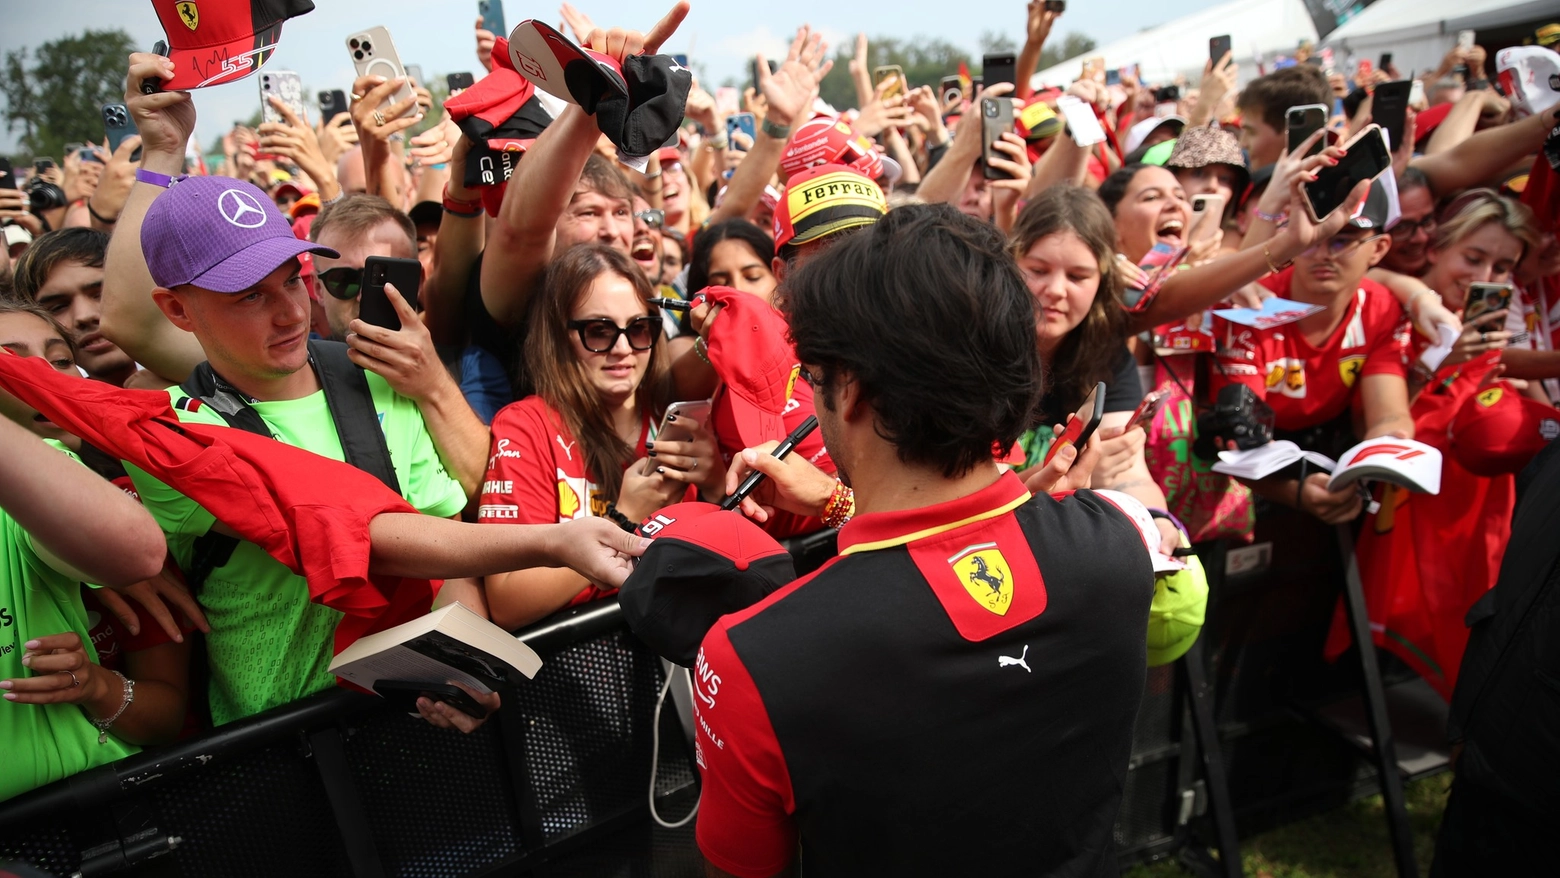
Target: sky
<point>720,38</point>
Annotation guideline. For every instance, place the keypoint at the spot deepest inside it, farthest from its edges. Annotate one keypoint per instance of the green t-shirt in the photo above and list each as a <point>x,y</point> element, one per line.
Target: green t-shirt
<point>269,644</point>
<point>41,742</point>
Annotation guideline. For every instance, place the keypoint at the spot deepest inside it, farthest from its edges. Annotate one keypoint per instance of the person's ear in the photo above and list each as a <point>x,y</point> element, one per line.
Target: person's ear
<point>174,308</point>
<point>847,398</point>
<point>1379,248</point>
<point>777,268</point>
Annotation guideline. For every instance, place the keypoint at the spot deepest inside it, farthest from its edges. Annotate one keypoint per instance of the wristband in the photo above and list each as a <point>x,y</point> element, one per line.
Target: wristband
<point>778,132</point>
<point>461,207</point>
<point>107,221</point>
<point>1274,218</point>
<point>163,181</point>
<point>840,508</point>
<point>721,142</point>
<point>619,518</point>
<point>1169,516</point>
<point>1273,268</point>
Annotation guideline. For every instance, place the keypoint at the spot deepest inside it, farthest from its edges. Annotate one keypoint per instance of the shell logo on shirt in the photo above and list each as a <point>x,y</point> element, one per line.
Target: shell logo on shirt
<point>1287,376</point>
<point>570,492</point>
<point>985,574</point>
<point>1349,368</point>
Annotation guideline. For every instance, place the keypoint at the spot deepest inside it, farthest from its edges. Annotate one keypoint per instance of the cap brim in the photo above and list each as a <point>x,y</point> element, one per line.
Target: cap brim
<point>203,66</point>
<point>555,65</point>
<point>834,224</point>
<point>252,264</point>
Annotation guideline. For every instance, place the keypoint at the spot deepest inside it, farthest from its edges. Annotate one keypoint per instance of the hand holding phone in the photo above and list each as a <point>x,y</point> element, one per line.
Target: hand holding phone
<point>1143,416</point>
<point>1218,47</point>
<point>892,73</point>
<point>1486,298</point>
<point>373,54</point>
<point>1303,121</point>
<point>1365,158</point>
<point>1081,424</point>
<point>996,117</point>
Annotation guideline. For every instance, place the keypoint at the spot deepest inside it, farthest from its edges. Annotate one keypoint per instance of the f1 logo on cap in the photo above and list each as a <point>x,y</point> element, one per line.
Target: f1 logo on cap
<point>237,207</point>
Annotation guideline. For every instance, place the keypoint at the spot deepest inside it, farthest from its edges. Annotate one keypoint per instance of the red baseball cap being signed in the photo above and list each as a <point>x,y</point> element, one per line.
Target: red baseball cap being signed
<point>215,41</point>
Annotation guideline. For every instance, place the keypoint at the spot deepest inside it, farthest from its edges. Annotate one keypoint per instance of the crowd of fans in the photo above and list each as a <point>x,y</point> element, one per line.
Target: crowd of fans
<point>562,311</point>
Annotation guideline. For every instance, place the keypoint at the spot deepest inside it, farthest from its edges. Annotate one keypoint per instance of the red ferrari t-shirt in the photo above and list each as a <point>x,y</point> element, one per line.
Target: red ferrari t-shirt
<point>1308,385</point>
<point>536,473</point>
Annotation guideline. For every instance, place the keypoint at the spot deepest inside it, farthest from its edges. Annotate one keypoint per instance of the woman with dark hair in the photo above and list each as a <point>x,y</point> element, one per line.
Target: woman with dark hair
<point>584,445</point>
<point>1064,242</point>
<point>736,254</point>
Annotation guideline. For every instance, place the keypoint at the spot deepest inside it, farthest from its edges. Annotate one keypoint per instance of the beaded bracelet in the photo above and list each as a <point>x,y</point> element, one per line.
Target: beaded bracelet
<point>619,518</point>
<point>1274,218</point>
<point>840,508</point>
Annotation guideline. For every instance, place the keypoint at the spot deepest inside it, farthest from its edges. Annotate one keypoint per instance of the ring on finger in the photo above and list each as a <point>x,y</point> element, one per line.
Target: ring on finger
<point>379,118</point>
<point>73,681</point>
<point>356,96</point>
<point>1484,337</point>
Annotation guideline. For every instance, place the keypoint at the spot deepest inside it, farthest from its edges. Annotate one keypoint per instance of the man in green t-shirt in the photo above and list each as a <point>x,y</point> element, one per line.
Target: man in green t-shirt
<point>221,263</point>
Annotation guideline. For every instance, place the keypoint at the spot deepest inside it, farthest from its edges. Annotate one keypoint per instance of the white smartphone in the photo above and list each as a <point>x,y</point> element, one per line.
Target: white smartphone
<point>1207,216</point>
<point>1465,39</point>
<point>373,54</point>
<point>695,411</point>
<point>288,87</point>
<point>1086,130</point>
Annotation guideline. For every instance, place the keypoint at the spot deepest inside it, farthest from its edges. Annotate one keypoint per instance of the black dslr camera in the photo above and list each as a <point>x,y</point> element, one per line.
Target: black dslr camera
<point>41,194</point>
<point>1237,416</point>
<point>1167,94</point>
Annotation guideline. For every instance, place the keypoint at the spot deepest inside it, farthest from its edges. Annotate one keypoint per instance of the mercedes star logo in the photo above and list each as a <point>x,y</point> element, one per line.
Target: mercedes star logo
<point>241,209</point>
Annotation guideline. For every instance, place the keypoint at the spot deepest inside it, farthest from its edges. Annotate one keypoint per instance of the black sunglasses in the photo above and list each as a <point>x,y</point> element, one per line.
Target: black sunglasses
<point>343,283</point>
<point>600,335</point>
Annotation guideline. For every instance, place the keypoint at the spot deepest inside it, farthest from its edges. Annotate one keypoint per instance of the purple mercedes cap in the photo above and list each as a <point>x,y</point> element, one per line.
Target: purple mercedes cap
<point>219,234</point>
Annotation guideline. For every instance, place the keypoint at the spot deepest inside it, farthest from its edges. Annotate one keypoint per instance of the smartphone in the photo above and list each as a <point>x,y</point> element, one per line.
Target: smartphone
<point>1143,416</point>
<point>950,90</point>
<point>1385,62</point>
<point>1218,47</point>
<point>492,12</point>
<point>1465,39</point>
<point>1113,76</point>
<point>116,125</point>
<point>332,103</point>
<point>404,694</point>
<point>1366,156</point>
<point>753,71</point>
<point>414,71</point>
<point>1081,424</point>
<point>1389,109</point>
<point>286,86</point>
<point>373,305</point>
<point>744,122</point>
<point>1081,121</point>
<point>996,116</point>
<point>1057,6</point>
<point>7,177</point>
<point>42,164</point>
<point>695,411</point>
<point>894,72</point>
<point>458,82</point>
<point>998,68</point>
<point>1207,217</point>
<point>1485,298</point>
<point>373,54</point>
<point>680,60</point>
<point>1303,121</point>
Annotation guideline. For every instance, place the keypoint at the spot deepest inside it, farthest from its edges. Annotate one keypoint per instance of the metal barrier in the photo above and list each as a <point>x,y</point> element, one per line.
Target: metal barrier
<point>339,784</point>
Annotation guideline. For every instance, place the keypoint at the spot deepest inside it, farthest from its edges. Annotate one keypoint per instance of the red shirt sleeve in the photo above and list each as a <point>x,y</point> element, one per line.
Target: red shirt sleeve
<point>745,805</point>
<point>521,484</point>
<point>1387,328</point>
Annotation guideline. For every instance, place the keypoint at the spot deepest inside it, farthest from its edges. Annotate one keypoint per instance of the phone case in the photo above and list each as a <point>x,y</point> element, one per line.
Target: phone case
<point>1085,126</point>
<point>286,85</point>
<point>883,73</point>
<point>1486,299</point>
<point>996,116</point>
<point>1328,177</point>
<point>1206,223</point>
<point>404,694</point>
<point>331,103</point>
<point>7,176</point>
<point>492,12</point>
<point>1081,427</point>
<point>373,54</point>
<point>1310,118</point>
<point>373,305</point>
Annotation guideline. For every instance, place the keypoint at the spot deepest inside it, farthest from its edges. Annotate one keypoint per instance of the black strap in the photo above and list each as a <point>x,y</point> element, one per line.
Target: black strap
<point>351,404</point>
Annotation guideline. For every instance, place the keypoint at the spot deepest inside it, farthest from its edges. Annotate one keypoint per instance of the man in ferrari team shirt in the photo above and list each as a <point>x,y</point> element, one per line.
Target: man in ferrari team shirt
<point>1349,359</point>
<point>954,693</point>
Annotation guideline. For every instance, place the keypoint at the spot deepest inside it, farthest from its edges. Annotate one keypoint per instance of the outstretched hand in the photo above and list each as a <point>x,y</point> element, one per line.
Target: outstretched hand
<point>788,92</point>
<point>596,549</point>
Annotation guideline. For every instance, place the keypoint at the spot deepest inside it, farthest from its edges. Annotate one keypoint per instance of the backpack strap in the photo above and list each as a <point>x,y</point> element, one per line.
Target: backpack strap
<point>352,408</point>
<point>351,404</point>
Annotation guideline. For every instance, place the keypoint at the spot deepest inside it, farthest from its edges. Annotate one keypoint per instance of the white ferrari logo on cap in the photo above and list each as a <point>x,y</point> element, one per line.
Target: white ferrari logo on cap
<point>241,209</point>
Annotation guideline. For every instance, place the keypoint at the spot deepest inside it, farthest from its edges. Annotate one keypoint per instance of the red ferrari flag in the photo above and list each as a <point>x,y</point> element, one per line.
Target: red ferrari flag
<point>306,511</point>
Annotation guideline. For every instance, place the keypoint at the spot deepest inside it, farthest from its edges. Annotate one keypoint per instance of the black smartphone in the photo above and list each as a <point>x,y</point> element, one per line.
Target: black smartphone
<point>1385,62</point>
<point>753,71</point>
<point>1085,420</point>
<point>998,68</point>
<point>1301,122</point>
<point>1218,47</point>
<point>43,163</point>
<point>331,103</point>
<point>1113,76</point>
<point>492,12</point>
<point>1365,157</point>
<point>7,177</point>
<point>1057,6</point>
<point>996,116</point>
<point>1485,298</point>
<point>1389,109</point>
<point>459,81</point>
<point>373,305</point>
<point>404,694</point>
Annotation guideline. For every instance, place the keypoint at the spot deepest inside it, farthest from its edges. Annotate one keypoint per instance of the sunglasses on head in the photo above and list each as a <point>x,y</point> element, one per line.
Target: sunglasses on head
<point>342,283</point>
<point>600,335</point>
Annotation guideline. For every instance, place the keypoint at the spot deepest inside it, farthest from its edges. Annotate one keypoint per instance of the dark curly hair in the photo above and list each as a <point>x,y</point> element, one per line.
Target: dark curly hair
<point>704,243</point>
<point>926,310</point>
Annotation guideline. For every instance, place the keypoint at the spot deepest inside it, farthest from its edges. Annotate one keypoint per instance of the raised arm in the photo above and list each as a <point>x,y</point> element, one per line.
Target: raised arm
<point>118,544</point>
<point>131,319</point>
<point>1037,31</point>
<point>455,252</point>
<point>1485,154</point>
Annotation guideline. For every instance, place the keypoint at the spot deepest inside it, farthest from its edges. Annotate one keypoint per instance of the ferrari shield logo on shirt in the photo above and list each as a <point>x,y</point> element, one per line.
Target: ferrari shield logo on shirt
<point>189,14</point>
<point>985,574</point>
<point>1491,396</point>
<point>1349,368</point>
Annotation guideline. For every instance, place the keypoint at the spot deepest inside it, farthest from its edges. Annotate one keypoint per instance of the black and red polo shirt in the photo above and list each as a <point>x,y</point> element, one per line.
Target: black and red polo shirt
<point>953,694</point>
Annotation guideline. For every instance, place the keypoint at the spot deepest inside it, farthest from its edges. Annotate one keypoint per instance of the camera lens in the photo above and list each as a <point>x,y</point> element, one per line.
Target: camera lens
<point>367,47</point>
<point>358,55</point>
<point>991,109</point>
<point>352,44</point>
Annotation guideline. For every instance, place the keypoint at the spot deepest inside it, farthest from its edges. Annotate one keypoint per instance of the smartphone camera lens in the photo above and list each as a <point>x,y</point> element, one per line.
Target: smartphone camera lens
<point>990,108</point>
<point>367,47</point>
<point>357,55</point>
<point>352,44</point>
